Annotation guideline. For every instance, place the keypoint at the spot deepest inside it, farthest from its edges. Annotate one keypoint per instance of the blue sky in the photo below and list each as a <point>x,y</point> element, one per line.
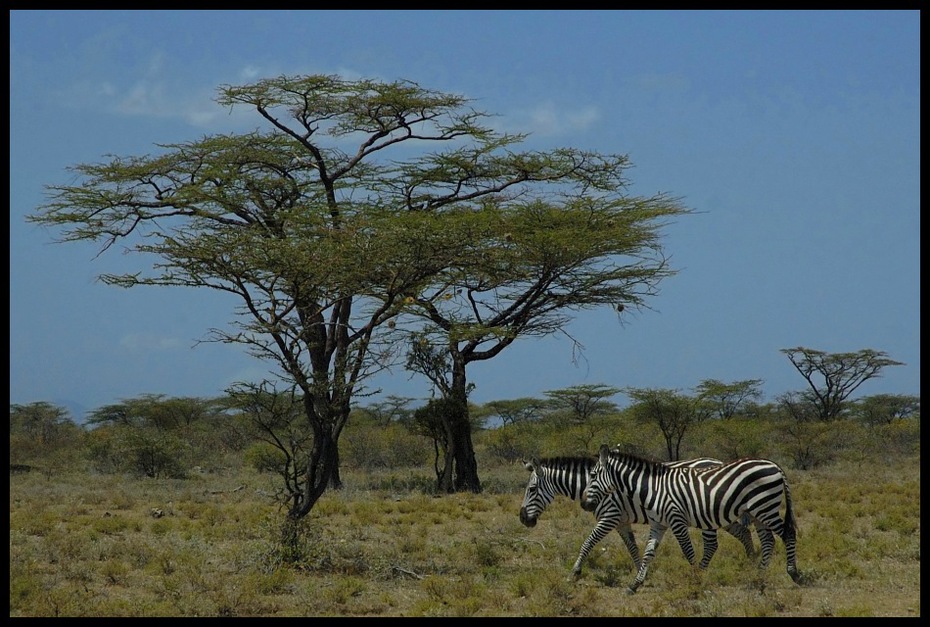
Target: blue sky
<point>794,137</point>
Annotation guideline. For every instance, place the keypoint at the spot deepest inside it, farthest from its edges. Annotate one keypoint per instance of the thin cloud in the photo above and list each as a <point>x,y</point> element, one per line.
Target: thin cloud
<point>547,120</point>
<point>152,98</point>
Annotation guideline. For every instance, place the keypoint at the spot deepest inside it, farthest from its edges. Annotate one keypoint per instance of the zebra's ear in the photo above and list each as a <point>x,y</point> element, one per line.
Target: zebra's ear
<point>605,451</point>
<point>531,464</point>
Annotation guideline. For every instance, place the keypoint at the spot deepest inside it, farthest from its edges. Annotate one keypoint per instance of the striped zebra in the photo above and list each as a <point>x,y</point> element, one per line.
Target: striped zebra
<point>567,476</point>
<point>708,498</point>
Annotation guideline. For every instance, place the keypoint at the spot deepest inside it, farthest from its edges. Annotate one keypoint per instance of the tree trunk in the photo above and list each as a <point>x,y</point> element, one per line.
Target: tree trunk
<point>459,427</point>
<point>445,483</point>
<point>466,476</point>
<point>322,464</point>
<point>335,479</point>
<point>445,478</point>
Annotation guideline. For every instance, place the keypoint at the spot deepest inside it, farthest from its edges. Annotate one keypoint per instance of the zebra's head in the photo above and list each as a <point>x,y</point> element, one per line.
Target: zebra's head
<point>549,477</point>
<point>600,482</point>
<point>537,496</point>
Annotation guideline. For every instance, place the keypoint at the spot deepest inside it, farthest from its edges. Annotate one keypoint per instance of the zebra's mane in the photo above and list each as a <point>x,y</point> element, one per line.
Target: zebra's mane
<point>637,460</point>
<point>565,461</point>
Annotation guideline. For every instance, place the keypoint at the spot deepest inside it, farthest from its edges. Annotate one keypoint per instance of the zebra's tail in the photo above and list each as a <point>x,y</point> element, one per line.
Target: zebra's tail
<point>789,535</point>
<point>790,528</point>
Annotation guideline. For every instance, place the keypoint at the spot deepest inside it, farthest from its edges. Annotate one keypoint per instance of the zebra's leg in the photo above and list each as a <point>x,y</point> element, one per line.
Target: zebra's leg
<point>767,542</point>
<point>604,526</point>
<point>626,532</point>
<point>709,536</point>
<point>680,529</point>
<point>740,530</point>
<point>789,535</point>
<point>656,532</point>
<point>791,557</point>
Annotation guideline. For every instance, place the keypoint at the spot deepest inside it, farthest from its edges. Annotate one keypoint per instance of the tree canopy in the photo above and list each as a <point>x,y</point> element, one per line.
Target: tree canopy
<point>833,377</point>
<point>362,214</point>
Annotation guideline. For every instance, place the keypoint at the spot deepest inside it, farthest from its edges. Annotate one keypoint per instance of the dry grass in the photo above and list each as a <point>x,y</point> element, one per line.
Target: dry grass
<point>95,545</point>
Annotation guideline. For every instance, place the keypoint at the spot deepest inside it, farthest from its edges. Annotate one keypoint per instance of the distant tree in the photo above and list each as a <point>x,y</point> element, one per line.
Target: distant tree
<point>582,414</point>
<point>431,421</point>
<point>154,435</point>
<point>392,409</point>
<point>672,412</point>
<point>725,400</point>
<point>42,423</point>
<point>517,410</point>
<point>883,409</point>
<point>833,377</point>
<point>811,441</point>
<point>582,402</point>
<point>44,433</point>
<point>156,410</point>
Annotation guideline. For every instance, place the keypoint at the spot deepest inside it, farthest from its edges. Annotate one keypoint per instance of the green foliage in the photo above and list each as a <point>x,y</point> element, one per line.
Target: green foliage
<point>385,447</point>
<point>264,457</point>
<point>675,414</point>
<point>732,438</point>
<point>43,431</point>
<point>144,451</point>
<point>814,444</point>
<point>883,409</point>
<point>466,243</point>
<point>583,402</point>
<point>833,377</point>
<point>726,400</point>
<point>898,438</point>
<point>508,443</point>
<point>516,410</point>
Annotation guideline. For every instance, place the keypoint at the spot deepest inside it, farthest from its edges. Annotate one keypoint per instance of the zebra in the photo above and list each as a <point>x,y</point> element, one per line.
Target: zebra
<point>708,498</point>
<point>567,476</point>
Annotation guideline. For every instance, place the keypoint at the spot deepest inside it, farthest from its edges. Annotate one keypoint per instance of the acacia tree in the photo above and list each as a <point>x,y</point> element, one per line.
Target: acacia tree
<point>156,411</point>
<point>833,377</point>
<point>583,402</point>
<point>883,409</point>
<point>725,400</point>
<point>391,409</point>
<point>43,432</point>
<point>40,422</point>
<point>537,258</point>
<point>673,412</point>
<point>517,410</point>
<point>324,240</point>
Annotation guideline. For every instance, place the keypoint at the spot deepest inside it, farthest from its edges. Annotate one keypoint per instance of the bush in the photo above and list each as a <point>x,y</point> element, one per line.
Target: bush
<point>384,447</point>
<point>143,451</point>
<point>732,438</point>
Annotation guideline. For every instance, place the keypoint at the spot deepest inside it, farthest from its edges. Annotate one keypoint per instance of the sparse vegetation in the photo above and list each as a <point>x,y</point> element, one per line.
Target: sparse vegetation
<point>206,533</point>
<point>84,543</point>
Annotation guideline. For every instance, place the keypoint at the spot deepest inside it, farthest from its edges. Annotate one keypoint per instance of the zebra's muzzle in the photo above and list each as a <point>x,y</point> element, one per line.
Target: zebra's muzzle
<point>526,519</point>
<point>588,505</point>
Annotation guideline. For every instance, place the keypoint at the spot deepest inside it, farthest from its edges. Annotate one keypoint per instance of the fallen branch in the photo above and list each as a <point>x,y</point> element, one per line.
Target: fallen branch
<point>242,487</point>
<point>406,572</point>
<point>541,545</point>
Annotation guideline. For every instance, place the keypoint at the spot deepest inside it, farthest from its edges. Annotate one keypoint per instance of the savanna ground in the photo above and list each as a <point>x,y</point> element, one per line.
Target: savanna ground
<point>86,544</point>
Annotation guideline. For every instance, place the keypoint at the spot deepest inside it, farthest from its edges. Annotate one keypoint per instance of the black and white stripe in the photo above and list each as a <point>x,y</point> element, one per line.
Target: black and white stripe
<point>568,476</point>
<point>708,499</point>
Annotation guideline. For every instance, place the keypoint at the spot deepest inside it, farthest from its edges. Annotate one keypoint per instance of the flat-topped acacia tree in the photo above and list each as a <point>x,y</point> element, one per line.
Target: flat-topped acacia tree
<point>360,209</point>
